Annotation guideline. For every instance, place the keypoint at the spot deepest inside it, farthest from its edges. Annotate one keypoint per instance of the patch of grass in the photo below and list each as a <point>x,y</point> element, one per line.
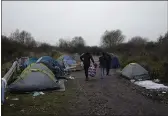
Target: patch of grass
<point>5,67</point>
<point>52,102</point>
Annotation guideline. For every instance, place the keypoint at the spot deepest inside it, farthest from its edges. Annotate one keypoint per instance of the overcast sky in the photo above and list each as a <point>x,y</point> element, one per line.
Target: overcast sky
<point>48,21</point>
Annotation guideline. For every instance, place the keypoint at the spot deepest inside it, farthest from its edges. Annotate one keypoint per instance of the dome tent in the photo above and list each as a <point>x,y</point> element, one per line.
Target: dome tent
<point>115,62</point>
<point>50,60</point>
<point>135,71</point>
<point>35,77</point>
<point>69,60</point>
<point>52,64</point>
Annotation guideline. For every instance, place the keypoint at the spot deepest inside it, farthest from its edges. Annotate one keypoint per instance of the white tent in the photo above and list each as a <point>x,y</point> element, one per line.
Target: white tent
<point>135,71</point>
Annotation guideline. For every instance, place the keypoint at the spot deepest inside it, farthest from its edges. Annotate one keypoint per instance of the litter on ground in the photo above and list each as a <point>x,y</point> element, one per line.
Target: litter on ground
<point>11,104</point>
<point>132,80</point>
<point>71,77</point>
<point>15,99</point>
<point>22,110</point>
<point>148,84</point>
<point>37,94</point>
<point>42,93</point>
<point>156,80</point>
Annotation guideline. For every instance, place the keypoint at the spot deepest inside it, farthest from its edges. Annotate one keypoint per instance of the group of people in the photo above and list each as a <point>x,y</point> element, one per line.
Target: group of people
<point>104,63</point>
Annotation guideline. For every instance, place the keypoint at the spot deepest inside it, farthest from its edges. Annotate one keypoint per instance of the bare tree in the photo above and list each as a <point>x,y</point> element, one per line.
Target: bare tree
<point>112,38</point>
<point>23,37</point>
<point>15,35</point>
<point>137,40</point>
<point>78,42</point>
<point>163,39</point>
<point>64,45</point>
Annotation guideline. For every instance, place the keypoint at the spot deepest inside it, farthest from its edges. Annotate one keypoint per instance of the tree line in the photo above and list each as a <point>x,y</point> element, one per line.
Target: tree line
<point>153,55</point>
<point>21,42</point>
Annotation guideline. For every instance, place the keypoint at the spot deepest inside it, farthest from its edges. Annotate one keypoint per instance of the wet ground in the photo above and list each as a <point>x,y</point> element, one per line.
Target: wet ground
<point>113,95</point>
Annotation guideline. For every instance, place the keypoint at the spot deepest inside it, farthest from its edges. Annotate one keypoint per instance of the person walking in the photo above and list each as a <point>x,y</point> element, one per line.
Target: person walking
<point>85,58</point>
<point>102,64</point>
<point>108,62</point>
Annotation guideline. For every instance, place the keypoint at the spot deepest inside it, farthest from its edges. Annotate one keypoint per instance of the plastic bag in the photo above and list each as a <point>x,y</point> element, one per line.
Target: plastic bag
<point>92,71</point>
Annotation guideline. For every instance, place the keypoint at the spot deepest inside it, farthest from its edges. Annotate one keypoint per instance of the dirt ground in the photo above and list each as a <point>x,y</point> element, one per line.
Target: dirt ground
<point>113,95</point>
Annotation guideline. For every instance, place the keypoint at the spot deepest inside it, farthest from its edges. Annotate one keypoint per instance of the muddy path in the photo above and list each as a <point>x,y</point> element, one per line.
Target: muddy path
<point>113,95</point>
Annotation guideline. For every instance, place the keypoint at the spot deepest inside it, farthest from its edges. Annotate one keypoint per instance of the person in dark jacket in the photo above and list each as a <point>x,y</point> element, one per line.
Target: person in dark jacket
<point>85,58</point>
<point>108,62</point>
<point>102,62</point>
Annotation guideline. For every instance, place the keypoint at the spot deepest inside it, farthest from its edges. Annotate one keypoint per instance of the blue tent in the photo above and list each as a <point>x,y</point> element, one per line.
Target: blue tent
<point>50,60</point>
<point>115,62</point>
<point>30,61</point>
<point>69,60</point>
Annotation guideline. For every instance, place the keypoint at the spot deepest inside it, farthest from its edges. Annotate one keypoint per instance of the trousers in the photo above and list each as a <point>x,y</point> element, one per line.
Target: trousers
<point>86,68</point>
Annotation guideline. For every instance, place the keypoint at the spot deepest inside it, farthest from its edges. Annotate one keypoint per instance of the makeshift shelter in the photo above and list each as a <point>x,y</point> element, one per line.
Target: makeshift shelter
<point>135,71</point>
<point>35,77</point>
